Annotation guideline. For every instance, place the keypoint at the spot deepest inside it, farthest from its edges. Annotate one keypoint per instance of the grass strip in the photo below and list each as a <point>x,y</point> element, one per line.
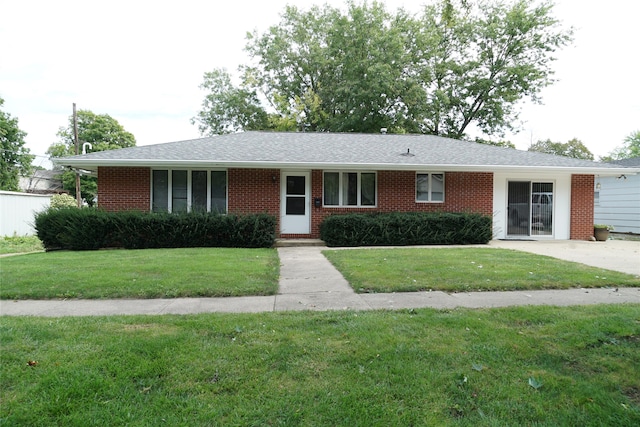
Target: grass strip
<point>20,244</point>
<point>465,269</point>
<point>510,366</point>
<point>152,273</point>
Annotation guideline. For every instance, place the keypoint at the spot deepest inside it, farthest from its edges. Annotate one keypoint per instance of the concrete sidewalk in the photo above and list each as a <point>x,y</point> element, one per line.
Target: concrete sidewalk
<point>308,281</point>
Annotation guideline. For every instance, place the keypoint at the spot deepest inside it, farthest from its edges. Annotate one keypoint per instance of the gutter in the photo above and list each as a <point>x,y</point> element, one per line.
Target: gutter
<point>86,165</point>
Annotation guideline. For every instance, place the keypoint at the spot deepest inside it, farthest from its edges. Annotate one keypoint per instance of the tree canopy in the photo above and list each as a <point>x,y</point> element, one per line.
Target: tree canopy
<point>574,148</point>
<point>15,160</point>
<point>103,132</point>
<point>629,149</point>
<point>454,66</point>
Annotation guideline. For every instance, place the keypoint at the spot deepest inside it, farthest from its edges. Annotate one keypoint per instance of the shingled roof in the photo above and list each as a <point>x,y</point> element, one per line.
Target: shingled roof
<point>295,150</point>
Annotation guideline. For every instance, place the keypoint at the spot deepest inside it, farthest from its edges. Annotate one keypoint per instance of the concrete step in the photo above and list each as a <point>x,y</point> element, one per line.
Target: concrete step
<point>296,243</point>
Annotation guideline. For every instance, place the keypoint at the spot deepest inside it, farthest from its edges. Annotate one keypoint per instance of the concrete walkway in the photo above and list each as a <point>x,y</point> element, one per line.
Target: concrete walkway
<point>309,282</point>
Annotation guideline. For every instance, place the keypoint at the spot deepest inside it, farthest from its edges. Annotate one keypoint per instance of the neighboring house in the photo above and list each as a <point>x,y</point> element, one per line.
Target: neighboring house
<point>303,177</point>
<point>617,199</point>
<point>42,182</point>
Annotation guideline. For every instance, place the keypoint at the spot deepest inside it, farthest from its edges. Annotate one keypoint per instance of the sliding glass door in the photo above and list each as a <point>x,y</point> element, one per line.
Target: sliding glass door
<point>529,208</point>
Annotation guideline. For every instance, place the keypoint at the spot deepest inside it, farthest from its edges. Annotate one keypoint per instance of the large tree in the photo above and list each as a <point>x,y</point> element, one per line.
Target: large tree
<point>454,66</point>
<point>15,160</point>
<point>103,132</point>
<point>227,108</point>
<point>629,149</point>
<point>574,148</point>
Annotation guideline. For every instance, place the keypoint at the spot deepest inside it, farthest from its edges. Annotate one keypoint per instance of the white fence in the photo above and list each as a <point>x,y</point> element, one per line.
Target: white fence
<point>17,212</point>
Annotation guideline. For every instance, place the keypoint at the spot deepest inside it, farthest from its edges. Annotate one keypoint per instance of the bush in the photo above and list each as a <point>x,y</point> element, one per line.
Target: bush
<point>88,229</point>
<point>411,228</point>
<point>59,201</point>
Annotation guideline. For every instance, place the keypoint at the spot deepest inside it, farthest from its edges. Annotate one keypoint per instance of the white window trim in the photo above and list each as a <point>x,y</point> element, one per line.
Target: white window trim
<point>189,187</point>
<point>341,186</point>
<point>444,195</point>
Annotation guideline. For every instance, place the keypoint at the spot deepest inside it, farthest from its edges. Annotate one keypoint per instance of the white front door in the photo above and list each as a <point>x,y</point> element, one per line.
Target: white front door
<point>295,203</point>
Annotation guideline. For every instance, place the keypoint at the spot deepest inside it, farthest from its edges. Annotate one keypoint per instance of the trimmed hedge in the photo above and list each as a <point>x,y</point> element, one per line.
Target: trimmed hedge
<point>90,229</point>
<point>410,228</point>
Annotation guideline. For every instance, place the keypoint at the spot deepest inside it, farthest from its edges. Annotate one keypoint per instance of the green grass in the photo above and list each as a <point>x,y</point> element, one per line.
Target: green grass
<point>20,244</point>
<point>152,273</point>
<point>410,367</point>
<point>465,269</point>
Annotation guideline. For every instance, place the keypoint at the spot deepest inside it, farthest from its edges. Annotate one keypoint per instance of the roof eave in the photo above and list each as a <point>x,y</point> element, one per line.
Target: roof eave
<point>92,165</point>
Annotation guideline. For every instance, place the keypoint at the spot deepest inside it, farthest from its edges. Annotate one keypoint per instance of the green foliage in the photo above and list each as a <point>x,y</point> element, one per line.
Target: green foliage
<point>630,149</point>
<point>89,229</point>
<point>605,226</point>
<point>15,159</point>
<point>103,132</point>
<point>574,148</point>
<point>480,60</point>
<point>62,201</point>
<point>366,68</point>
<point>228,109</point>
<point>499,143</point>
<point>411,228</point>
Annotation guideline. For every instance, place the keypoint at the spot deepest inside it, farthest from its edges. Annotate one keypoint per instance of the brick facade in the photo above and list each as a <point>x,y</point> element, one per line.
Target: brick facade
<point>258,191</point>
<point>254,191</point>
<point>581,207</point>
<point>464,192</point>
<point>122,189</point>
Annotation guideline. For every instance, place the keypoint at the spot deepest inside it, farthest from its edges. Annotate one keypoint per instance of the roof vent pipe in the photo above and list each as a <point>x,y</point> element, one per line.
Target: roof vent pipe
<point>383,131</point>
<point>84,147</point>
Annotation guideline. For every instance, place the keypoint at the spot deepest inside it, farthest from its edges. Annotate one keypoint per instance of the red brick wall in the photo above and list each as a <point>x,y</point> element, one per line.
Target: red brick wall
<point>258,191</point>
<point>254,191</point>
<point>124,188</point>
<point>581,207</point>
<point>464,192</point>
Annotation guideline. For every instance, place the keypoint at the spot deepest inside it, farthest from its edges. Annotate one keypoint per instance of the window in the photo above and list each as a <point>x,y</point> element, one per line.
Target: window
<point>189,191</point>
<point>199,191</point>
<point>160,192</point>
<point>179,191</point>
<point>430,187</point>
<point>350,189</point>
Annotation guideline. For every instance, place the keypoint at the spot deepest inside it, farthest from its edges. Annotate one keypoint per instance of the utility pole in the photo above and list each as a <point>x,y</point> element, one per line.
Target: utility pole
<point>75,138</point>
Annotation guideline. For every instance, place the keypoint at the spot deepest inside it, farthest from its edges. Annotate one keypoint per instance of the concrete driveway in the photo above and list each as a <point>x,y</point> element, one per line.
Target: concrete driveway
<point>618,255</point>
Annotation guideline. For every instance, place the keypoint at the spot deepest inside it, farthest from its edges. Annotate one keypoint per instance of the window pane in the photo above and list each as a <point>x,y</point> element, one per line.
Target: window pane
<point>219,191</point>
<point>295,185</point>
<point>199,191</point>
<point>541,208</point>
<point>437,187</point>
<point>331,188</point>
<point>350,188</point>
<point>295,205</point>
<point>519,208</point>
<point>179,191</point>
<point>422,187</point>
<point>160,192</point>
<point>368,191</point>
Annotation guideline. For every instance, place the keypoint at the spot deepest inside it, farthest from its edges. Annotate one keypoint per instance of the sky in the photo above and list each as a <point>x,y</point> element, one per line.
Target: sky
<point>142,63</point>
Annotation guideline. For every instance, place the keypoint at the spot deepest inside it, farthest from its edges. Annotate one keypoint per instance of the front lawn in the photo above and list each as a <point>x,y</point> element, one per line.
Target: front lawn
<point>151,273</point>
<point>465,269</point>
<point>19,244</point>
<point>545,366</point>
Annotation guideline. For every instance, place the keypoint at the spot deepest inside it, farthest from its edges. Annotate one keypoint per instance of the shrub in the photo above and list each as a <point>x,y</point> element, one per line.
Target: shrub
<point>86,229</point>
<point>411,228</point>
<point>59,201</point>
